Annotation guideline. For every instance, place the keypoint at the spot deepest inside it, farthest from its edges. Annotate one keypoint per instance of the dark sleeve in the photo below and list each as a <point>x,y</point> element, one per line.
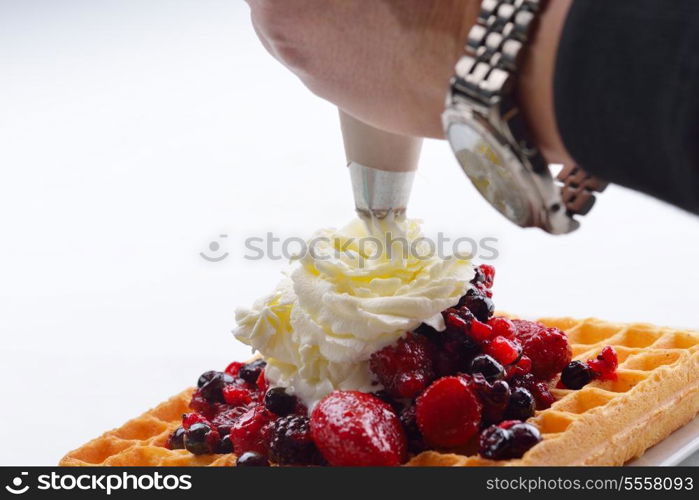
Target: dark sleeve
<point>627,94</point>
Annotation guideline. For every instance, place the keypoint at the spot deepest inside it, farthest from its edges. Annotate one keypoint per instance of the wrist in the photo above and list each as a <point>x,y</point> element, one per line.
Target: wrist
<point>535,83</point>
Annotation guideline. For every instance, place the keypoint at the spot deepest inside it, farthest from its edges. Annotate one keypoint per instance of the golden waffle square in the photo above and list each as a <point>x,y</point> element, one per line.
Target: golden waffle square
<point>604,423</point>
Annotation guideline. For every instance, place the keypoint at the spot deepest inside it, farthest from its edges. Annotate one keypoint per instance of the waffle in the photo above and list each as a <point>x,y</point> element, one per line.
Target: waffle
<point>604,423</point>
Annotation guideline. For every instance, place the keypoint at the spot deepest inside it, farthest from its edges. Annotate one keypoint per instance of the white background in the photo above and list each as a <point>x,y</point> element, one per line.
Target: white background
<point>134,133</point>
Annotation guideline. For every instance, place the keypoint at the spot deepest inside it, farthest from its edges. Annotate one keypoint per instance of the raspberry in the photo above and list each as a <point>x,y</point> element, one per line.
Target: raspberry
<point>236,395</point>
<point>404,368</point>
<point>605,364</point>
<point>503,327</point>
<point>504,351</point>
<point>352,428</point>
<point>291,442</point>
<point>547,348</point>
<point>250,430</point>
<point>234,368</point>
<point>542,395</point>
<point>448,412</point>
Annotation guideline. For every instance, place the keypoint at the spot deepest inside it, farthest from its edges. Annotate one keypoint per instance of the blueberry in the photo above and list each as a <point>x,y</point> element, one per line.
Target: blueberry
<point>494,443</point>
<point>198,439</point>
<point>524,436</point>
<point>280,402</point>
<point>576,375</point>
<point>212,389</point>
<point>225,445</point>
<point>176,441</point>
<point>481,306</point>
<point>251,371</point>
<point>521,405</point>
<point>488,367</point>
<point>499,444</point>
<point>205,377</point>
<point>252,459</point>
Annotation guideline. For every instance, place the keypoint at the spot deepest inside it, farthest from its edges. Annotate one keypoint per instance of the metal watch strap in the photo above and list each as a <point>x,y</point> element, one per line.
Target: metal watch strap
<point>485,75</point>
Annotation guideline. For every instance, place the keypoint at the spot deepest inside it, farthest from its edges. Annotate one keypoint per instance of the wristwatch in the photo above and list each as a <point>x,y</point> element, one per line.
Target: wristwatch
<point>489,137</point>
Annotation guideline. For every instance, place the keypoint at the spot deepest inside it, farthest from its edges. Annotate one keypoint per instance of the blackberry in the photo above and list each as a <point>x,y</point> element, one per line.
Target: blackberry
<point>251,371</point>
<point>201,439</point>
<point>480,306</point>
<point>488,367</point>
<point>291,442</point>
<point>252,459</point>
<point>212,389</point>
<point>521,405</point>
<point>280,402</point>
<point>576,375</point>
<point>412,432</point>
<point>176,440</point>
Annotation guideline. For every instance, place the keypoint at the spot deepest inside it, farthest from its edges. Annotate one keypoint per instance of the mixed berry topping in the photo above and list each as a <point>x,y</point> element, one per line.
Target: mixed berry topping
<point>471,386</point>
<point>578,374</point>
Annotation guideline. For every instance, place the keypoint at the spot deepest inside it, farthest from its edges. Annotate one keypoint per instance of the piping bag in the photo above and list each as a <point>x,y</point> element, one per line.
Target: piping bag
<point>382,167</point>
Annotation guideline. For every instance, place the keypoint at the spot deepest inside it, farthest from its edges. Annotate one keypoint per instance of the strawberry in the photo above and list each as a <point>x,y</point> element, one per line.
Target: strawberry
<point>352,428</point>
<point>448,412</point>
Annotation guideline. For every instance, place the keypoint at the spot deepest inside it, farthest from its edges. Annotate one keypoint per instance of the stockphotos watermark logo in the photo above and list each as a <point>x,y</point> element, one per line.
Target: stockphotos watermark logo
<point>104,483</point>
<point>270,246</point>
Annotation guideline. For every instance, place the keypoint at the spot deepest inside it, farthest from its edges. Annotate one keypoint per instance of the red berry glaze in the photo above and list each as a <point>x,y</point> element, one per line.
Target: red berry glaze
<point>188,419</point>
<point>352,428</point>
<point>448,412</point>
<point>504,351</point>
<point>404,368</point>
<point>236,395</point>
<point>250,431</point>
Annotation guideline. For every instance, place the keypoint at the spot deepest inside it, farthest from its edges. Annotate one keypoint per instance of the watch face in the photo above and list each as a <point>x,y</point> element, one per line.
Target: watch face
<point>486,165</point>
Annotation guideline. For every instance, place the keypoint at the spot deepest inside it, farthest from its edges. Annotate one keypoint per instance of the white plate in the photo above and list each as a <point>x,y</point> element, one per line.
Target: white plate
<point>673,450</point>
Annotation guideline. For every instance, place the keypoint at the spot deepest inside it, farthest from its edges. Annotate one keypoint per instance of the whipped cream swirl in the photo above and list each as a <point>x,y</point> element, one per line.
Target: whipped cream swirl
<point>356,291</point>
